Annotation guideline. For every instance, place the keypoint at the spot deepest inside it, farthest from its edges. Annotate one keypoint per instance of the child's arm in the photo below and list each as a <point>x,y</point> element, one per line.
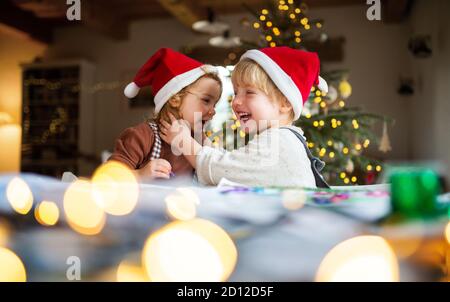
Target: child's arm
<point>253,164</point>
<point>132,145</point>
<point>132,148</point>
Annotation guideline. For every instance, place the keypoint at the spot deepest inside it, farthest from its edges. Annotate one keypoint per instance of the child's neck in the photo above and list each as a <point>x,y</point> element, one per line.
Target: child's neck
<point>281,123</point>
<point>285,123</point>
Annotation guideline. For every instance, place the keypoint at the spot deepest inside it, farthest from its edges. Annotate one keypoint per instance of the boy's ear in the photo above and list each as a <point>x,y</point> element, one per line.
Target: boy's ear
<point>286,107</point>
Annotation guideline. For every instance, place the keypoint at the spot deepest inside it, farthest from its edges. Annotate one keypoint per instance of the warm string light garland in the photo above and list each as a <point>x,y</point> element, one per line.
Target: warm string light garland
<point>56,85</point>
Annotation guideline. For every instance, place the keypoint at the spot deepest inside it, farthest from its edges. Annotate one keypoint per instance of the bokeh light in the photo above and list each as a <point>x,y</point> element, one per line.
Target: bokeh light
<point>293,199</point>
<point>182,204</point>
<point>447,233</point>
<point>47,213</point>
<point>360,259</point>
<point>193,250</point>
<point>11,267</point>
<point>82,212</point>
<point>128,271</point>
<point>5,232</point>
<point>405,240</point>
<point>115,188</point>
<point>19,196</point>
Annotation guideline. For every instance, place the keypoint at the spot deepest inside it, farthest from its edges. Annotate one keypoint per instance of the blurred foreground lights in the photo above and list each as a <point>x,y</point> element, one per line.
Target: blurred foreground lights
<point>47,213</point>
<point>360,259</point>
<point>19,196</point>
<point>182,204</point>
<point>405,240</point>
<point>447,233</point>
<point>82,212</point>
<point>130,272</point>
<point>5,232</point>
<point>194,250</point>
<point>11,267</point>
<point>115,188</point>
<point>294,199</point>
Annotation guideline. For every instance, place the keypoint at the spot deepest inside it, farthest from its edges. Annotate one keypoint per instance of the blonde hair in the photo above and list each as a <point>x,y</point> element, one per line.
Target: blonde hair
<point>248,73</point>
<point>173,105</point>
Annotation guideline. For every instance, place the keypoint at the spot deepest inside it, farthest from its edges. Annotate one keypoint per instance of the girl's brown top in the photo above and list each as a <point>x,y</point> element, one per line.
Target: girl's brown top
<point>134,148</point>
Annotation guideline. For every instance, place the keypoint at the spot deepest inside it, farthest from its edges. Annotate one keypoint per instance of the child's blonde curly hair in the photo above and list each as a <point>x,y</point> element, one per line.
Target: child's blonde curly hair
<point>248,73</point>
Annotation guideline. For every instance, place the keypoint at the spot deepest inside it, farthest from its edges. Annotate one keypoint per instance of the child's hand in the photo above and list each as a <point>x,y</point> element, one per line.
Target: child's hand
<point>157,168</point>
<point>175,133</point>
<point>178,135</point>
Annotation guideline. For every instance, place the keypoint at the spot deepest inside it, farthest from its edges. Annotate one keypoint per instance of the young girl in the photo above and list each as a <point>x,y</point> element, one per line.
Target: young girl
<point>271,85</point>
<point>183,88</point>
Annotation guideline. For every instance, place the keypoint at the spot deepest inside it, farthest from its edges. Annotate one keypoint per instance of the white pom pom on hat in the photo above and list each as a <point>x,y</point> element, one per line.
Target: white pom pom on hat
<point>131,90</point>
<point>323,85</point>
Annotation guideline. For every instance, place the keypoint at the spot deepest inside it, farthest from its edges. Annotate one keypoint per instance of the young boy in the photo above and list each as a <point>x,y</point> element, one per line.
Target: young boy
<point>271,85</point>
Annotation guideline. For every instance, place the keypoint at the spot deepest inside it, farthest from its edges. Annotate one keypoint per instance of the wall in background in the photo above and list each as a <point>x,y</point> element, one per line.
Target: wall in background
<point>430,121</point>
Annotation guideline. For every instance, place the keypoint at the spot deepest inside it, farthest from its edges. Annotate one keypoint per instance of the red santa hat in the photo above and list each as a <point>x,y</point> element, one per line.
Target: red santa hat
<point>293,71</point>
<point>167,72</point>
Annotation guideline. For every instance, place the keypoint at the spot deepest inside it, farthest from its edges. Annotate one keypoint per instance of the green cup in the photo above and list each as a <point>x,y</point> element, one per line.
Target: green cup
<point>414,192</point>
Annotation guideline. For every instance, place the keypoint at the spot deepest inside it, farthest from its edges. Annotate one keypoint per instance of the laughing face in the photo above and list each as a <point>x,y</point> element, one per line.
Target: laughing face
<point>254,109</point>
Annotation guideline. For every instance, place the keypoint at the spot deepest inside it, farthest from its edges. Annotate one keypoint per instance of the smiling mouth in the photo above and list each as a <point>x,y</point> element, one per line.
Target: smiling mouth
<point>244,116</point>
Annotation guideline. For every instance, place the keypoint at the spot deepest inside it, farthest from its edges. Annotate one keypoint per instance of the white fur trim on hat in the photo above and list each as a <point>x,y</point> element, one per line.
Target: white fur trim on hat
<point>179,82</point>
<point>131,90</point>
<point>281,79</point>
<point>323,85</point>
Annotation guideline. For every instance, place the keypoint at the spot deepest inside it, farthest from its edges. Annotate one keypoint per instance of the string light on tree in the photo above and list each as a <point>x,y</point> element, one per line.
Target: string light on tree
<point>294,12</point>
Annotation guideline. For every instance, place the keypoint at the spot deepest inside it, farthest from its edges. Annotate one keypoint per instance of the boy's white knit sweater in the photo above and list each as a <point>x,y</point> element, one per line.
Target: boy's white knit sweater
<point>275,157</point>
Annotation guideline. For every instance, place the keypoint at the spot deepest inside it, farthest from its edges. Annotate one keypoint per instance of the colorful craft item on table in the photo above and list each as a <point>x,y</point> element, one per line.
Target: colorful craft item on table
<point>378,193</point>
<point>321,200</point>
<point>339,197</point>
<point>235,190</point>
<point>318,197</point>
